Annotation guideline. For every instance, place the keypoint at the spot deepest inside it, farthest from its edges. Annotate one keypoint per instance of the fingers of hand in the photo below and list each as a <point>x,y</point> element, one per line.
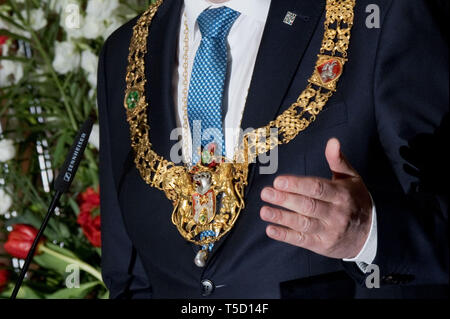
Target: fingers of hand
<point>336,160</point>
<point>292,237</point>
<point>314,187</point>
<point>298,203</point>
<point>291,220</point>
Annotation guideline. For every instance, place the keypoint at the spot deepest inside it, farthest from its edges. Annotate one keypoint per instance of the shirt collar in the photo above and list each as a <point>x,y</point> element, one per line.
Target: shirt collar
<point>255,9</point>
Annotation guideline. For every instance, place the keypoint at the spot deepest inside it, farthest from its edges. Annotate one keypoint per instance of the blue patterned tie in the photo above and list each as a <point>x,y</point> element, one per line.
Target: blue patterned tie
<point>208,79</point>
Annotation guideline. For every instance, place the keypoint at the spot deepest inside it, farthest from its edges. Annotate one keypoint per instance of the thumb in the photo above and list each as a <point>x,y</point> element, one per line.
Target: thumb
<point>337,161</point>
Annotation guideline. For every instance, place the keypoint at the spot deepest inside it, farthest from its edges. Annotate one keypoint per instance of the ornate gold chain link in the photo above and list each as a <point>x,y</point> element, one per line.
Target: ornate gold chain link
<point>184,99</point>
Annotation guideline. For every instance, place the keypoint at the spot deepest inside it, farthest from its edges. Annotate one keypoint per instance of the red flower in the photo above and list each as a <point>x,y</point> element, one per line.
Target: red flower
<point>3,39</point>
<point>90,224</point>
<point>4,278</point>
<point>20,240</point>
<point>90,196</point>
<point>91,228</point>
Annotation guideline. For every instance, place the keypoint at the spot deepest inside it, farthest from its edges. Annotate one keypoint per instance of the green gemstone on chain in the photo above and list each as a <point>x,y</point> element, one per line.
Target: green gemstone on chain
<point>132,99</point>
<point>206,157</point>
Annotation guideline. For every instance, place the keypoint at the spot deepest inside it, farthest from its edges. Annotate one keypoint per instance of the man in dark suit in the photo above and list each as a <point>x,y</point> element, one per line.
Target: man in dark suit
<point>336,214</point>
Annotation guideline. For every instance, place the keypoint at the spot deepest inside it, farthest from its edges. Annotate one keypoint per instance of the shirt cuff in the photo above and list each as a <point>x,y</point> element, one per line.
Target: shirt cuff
<point>367,254</point>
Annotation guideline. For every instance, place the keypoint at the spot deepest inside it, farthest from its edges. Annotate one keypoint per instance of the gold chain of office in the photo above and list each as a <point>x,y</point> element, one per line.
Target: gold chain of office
<point>194,190</point>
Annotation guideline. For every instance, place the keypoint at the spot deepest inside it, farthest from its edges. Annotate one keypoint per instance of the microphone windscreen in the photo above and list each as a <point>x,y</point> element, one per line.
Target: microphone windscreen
<point>70,166</point>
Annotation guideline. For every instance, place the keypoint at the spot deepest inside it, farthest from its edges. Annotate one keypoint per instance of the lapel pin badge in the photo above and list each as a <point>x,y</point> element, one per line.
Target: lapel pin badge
<point>290,18</point>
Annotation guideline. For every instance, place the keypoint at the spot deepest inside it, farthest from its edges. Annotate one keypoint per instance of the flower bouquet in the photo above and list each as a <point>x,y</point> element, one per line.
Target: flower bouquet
<point>48,75</point>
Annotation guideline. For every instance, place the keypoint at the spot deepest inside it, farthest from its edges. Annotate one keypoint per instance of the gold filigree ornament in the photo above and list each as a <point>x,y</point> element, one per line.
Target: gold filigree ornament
<point>208,199</point>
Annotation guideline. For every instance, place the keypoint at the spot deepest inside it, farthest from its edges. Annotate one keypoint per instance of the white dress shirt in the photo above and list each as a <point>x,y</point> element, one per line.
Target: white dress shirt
<point>247,29</point>
<point>244,40</point>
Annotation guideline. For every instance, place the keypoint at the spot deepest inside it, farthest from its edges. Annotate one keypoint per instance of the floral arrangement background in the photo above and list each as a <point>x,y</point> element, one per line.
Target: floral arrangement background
<point>48,76</point>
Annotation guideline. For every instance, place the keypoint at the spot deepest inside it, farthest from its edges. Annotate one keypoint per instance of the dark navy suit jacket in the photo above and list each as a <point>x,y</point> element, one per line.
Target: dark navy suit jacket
<point>394,90</point>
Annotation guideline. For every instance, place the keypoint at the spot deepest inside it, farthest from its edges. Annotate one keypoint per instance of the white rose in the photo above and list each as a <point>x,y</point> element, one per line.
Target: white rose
<point>94,139</point>
<point>71,19</point>
<point>5,202</point>
<point>12,28</point>
<point>4,49</point>
<point>61,5</point>
<point>3,24</point>
<point>7,150</point>
<point>37,18</point>
<point>72,32</point>
<point>112,25</point>
<point>101,9</point>
<point>11,72</point>
<point>93,27</point>
<point>66,57</point>
<point>89,63</point>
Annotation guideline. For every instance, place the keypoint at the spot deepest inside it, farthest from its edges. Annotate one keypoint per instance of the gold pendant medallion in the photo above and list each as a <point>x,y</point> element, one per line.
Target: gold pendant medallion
<point>198,214</point>
<point>195,193</point>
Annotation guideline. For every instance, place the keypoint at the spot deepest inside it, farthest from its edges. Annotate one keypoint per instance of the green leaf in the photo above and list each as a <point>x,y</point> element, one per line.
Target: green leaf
<point>35,221</point>
<point>15,58</point>
<point>55,226</point>
<point>51,262</point>
<point>11,21</point>
<point>61,250</point>
<point>64,230</point>
<point>13,35</point>
<point>74,293</point>
<point>73,204</point>
<point>104,295</point>
<point>25,292</point>
<point>61,147</point>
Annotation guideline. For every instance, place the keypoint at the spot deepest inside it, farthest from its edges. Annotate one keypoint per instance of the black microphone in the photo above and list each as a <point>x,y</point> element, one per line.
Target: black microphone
<point>61,185</point>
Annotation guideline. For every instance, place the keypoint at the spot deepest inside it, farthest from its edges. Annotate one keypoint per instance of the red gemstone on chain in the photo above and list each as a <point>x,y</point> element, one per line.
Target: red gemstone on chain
<point>329,70</point>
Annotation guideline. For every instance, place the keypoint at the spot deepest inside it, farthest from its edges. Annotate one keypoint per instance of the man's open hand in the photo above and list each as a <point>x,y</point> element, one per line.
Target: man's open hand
<point>329,217</point>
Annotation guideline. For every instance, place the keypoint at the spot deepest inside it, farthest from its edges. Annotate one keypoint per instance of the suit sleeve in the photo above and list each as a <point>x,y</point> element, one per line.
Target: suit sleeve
<point>411,100</point>
<point>122,269</point>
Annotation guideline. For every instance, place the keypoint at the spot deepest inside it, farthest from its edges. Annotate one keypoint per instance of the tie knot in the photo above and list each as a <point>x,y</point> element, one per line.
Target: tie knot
<point>216,23</point>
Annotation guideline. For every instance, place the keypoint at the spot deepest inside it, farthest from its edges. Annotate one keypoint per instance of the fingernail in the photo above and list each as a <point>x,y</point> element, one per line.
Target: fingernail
<point>272,231</point>
<point>268,194</point>
<point>281,183</point>
<point>267,213</point>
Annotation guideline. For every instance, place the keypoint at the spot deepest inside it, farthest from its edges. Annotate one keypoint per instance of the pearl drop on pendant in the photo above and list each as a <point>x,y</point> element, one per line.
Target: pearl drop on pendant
<point>200,258</point>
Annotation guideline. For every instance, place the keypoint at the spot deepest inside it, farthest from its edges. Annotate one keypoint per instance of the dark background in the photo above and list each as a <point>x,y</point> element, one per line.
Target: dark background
<point>440,9</point>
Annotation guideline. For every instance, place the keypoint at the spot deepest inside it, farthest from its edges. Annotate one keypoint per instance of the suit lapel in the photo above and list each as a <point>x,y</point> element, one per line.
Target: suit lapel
<point>160,62</point>
<point>281,50</point>
<point>280,53</point>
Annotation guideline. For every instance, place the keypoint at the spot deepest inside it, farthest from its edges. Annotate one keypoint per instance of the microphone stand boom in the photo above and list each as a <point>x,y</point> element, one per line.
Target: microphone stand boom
<point>62,184</point>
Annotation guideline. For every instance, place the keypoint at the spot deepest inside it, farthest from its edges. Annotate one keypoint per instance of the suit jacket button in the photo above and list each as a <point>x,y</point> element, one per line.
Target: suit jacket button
<point>207,287</point>
<point>397,279</point>
<point>389,280</point>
